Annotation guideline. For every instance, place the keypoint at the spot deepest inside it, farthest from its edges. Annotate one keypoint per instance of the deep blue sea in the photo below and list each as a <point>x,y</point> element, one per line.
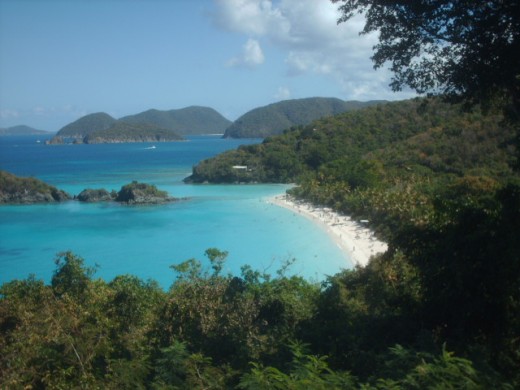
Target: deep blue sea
<point>146,240</point>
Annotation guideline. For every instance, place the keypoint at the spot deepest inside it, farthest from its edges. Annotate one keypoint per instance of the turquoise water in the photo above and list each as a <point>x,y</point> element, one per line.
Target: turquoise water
<point>146,240</point>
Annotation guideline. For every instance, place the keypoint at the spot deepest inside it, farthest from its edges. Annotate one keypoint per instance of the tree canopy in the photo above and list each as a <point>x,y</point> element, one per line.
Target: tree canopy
<point>463,49</point>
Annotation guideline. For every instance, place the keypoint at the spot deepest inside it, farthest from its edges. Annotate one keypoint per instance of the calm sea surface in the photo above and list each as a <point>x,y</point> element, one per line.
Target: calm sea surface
<point>146,240</point>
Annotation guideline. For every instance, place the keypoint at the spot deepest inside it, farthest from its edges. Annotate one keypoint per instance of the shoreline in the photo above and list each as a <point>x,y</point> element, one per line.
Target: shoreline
<point>355,240</point>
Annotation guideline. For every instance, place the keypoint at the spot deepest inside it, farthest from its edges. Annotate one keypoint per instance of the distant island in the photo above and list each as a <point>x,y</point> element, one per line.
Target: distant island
<point>102,128</point>
<point>274,118</point>
<point>22,130</point>
<point>193,120</point>
<point>29,190</point>
<point>148,126</point>
<point>121,132</point>
<point>172,125</point>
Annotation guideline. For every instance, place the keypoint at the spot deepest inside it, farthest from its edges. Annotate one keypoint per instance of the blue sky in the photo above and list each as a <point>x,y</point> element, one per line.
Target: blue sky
<point>60,60</point>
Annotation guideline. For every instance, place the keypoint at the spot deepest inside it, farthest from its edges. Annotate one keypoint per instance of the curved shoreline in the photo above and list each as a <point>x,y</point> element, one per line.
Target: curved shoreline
<point>354,239</point>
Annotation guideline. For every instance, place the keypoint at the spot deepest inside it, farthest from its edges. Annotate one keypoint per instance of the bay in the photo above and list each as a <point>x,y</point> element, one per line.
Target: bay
<point>146,240</point>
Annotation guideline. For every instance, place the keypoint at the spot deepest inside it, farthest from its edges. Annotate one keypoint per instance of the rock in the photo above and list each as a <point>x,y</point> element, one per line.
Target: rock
<point>141,193</point>
<point>94,195</point>
<point>57,140</point>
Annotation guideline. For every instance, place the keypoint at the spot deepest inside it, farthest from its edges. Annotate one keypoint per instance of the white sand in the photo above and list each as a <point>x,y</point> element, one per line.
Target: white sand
<point>357,241</point>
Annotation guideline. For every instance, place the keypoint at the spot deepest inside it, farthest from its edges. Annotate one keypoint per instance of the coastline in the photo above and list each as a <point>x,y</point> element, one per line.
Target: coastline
<point>355,240</point>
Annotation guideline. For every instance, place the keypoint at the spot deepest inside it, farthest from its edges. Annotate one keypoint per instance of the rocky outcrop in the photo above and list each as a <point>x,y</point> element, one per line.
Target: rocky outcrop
<point>95,195</point>
<point>141,193</point>
<point>57,140</point>
<point>20,190</point>
<point>23,190</point>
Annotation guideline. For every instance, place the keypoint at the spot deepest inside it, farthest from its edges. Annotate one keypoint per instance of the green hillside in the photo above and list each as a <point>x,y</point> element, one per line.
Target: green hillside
<point>274,118</point>
<point>427,136</point>
<point>86,125</point>
<point>184,121</point>
<point>121,132</point>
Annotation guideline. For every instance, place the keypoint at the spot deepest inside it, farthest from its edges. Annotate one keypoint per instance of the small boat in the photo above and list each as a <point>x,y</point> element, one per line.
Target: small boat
<point>150,147</point>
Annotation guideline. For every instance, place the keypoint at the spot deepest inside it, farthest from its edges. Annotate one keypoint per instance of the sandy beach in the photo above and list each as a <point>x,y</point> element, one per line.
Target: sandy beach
<point>352,237</point>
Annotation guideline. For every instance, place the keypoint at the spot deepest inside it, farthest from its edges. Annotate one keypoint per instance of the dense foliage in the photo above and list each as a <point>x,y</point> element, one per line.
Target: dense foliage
<point>425,136</point>
<point>462,49</point>
<point>216,331</point>
<point>184,121</point>
<point>274,118</point>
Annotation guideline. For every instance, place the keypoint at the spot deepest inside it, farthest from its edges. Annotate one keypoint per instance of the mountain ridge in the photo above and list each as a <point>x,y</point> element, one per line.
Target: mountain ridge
<point>191,120</point>
<point>274,118</point>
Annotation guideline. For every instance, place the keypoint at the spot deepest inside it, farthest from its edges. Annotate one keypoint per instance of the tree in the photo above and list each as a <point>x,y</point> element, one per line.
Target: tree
<point>464,49</point>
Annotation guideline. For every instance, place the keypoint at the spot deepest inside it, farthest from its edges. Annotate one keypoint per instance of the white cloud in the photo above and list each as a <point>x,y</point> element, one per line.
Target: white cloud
<point>8,113</point>
<point>307,31</point>
<point>251,56</point>
<point>257,17</point>
<point>283,93</point>
<point>40,110</point>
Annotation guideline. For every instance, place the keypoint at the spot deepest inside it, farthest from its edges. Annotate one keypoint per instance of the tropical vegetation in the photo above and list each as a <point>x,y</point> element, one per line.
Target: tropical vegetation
<point>211,330</point>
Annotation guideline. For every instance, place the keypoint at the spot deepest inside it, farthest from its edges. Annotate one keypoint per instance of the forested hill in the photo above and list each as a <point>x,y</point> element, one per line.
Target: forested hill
<point>86,125</point>
<point>274,118</point>
<point>184,121</point>
<point>170,124</point>
<point>424,137</point>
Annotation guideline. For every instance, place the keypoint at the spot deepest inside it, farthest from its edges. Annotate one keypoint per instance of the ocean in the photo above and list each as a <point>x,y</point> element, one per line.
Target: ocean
<point>146,240</point>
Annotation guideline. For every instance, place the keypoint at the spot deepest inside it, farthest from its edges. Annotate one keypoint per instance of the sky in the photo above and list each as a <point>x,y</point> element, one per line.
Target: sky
<point>63,59</point>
